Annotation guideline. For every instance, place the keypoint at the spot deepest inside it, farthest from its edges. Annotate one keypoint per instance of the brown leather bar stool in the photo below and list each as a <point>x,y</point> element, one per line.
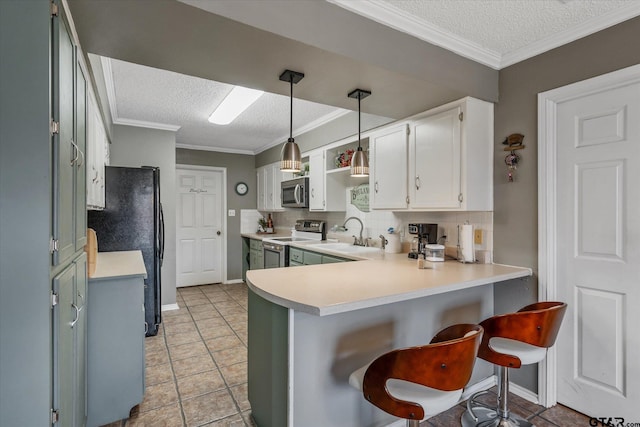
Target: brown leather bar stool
<point>509,341</point>
<point>418,382</point>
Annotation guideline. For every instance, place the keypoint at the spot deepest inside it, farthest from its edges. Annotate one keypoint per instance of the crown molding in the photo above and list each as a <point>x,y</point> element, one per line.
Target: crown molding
<point>569,35</point>
<point>217,149</point>
<point>386,14</point>
<point>107,72</point>
<point>339,112</point>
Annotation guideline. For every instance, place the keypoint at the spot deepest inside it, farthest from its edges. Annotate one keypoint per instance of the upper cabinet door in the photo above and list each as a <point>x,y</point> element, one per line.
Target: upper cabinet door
<point>388,180</point>
<point>316,181</point>
<point>65,152</point>
<point>435,156</point>
<point>80,171</point>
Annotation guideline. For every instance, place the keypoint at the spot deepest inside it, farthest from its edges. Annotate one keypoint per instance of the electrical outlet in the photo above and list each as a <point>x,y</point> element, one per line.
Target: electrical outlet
<point>477,236</point>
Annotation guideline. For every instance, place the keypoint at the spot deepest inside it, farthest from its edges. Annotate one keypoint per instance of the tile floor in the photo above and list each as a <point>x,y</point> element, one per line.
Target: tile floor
<point>196,369</point>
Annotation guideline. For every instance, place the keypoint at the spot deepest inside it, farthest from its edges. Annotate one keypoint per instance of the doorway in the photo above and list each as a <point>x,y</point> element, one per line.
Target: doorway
<point>200,225</point>
<point>589,242</point>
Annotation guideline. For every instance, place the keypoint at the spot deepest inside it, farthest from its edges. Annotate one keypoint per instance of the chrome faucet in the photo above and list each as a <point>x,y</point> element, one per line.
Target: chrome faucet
<point>358,241</point>
<point>383,241</point>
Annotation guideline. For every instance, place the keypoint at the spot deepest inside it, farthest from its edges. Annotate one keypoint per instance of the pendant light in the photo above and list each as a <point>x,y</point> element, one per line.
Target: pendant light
<point>290,158</point>
<point>359,161</point>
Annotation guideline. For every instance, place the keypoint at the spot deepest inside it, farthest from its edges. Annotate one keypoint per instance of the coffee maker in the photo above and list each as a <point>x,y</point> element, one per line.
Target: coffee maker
<point>424,234</point>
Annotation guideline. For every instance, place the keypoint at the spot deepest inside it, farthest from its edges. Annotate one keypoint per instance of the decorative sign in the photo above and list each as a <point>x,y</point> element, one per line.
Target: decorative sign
<point>360,197</point>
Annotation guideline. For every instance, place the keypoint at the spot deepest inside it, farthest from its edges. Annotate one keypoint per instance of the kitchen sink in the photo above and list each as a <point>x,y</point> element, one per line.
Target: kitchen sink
<point>344,247</point>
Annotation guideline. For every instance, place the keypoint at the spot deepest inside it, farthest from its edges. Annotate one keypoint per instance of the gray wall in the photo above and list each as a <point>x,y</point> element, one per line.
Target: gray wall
<point>335,130</point>
<point>240,167</point>
<point>134,147</point>
<point>515,228</point>
<point>25,201</point>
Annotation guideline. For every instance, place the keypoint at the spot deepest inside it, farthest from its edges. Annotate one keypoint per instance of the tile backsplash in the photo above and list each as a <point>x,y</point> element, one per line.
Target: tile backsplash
<point>377,222</point>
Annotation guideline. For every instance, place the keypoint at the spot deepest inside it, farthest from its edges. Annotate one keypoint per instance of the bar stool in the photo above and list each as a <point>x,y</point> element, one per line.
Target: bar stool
<point>418,382</point>
<point>509,341</point>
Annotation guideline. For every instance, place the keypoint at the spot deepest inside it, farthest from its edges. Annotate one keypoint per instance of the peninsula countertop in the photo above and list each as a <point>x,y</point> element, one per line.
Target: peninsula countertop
<point>380,278</point>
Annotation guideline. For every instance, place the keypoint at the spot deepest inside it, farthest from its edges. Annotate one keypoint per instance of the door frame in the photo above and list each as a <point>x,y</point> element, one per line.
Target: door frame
<point>547,209</point>
<point>224,210</point>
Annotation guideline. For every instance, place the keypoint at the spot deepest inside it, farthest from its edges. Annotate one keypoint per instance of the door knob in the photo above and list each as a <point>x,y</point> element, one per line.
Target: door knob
<point>218,232</point>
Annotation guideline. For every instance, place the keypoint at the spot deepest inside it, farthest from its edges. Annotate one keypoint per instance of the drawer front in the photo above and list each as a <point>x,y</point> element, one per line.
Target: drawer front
<point>255,244</point>
<point>296,255</point>
<point>294,264</point>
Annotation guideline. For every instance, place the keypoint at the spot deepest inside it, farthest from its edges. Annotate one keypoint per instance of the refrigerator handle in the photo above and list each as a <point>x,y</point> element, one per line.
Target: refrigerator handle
<point>161,235</point>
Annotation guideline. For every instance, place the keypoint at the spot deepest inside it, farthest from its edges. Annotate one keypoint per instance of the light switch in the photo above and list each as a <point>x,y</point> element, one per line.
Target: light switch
<point>232,212</point>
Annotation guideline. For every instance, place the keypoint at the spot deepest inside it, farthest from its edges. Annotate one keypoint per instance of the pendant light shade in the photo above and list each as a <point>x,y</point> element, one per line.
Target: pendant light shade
<point>359,161</point>
<point>290,158</point>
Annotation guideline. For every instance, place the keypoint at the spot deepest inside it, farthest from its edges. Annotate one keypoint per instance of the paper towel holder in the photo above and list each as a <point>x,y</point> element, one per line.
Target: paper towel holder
<point>466,250</point>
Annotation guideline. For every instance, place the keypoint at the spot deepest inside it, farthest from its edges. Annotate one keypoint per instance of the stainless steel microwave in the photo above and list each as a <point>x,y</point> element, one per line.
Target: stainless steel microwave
<point>295,193</point>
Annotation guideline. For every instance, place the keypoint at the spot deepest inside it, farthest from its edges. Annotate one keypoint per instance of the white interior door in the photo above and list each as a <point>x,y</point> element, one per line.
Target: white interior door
<point>597,165</point>
<point>200,215</point>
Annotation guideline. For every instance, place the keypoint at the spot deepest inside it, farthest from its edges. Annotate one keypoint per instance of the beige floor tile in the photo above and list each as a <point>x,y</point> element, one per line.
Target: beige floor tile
<point>248,419</point>
<point>232,421</point>
<point>211,322</point>
<point>448,418</point>
<point>156,396</point>
<point>222,343</point>
<point>196,300</point>
<point>201,307</point>
<point>209,407</point>
<point>199,384</point>
<point>154,357</point>
<point>179,318</point>
<point>193,365</point>
<point>158,374</point>
<point>217,297</point>
<point>184,351</point>
<point>184,338</point>
<point>180,328</point>
<point>563,416</point>
<point>227,305</point>
<point>166,416</point>
<point>172,313</point>
<point>239,393</point>
<point>207,314</point>
<point>190,290</point>
<point>230,356</point>
<point>235,374</point>
<point>216,331</point>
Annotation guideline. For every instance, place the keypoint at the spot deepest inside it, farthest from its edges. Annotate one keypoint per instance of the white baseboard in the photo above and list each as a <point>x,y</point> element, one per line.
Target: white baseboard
<point>523,393</point>
<point>169,307</point>
<point>233,281</point>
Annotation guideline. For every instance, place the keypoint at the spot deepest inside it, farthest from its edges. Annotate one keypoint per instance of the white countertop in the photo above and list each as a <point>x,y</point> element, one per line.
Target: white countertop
<point>381,279</point>
<point>119,264</point>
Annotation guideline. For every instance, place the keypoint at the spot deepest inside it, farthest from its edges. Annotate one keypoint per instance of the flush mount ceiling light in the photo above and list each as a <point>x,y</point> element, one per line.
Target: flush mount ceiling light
<point>290,159</point>
<point>359,161</point>
<point>238,100</point>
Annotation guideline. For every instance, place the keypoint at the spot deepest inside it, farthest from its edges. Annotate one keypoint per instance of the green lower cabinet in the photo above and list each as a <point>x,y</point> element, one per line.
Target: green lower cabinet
<point>256,260</point>
<point>267,363</point>
<point>327,259</point>
<point>295,264</point>
<point>312,258</point>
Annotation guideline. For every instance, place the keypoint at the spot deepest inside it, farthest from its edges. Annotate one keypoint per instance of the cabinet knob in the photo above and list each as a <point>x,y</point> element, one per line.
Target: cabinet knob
<point>418,182</point>
<point>218,232</point>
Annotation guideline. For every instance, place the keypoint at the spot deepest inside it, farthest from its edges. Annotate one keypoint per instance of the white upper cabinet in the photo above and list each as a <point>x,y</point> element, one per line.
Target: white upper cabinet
<point>316,181</point>
<point>435,154</point>
<point>388,167</point>
<point>269,191</point>
<point>445,163</point>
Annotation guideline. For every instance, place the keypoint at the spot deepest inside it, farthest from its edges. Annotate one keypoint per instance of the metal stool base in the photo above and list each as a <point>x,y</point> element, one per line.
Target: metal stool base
<point>488,418</point>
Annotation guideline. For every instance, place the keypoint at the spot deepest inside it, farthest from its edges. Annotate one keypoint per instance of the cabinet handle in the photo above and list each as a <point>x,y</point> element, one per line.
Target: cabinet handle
<point>97,175</point>
<point>82,298</point>
<point>75,152</point>
<point>376,186</point>
<point>146,328</point>
<point>81,157</point>
<point>313,193</point>
<point>418,182</point>
<point>75,307</point>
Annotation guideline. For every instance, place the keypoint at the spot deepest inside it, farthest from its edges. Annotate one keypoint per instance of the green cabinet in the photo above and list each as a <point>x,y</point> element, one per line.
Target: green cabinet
<point>256,258</point>
<point>299,257</point>
<point>70,343</point>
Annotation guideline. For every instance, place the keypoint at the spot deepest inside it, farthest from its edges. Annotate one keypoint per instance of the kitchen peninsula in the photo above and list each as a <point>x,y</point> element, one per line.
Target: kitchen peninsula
<point>310,327</point>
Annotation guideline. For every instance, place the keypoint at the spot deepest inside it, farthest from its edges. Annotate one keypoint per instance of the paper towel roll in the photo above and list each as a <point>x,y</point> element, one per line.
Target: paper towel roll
<point>466,244</point>
<point>393,243</point>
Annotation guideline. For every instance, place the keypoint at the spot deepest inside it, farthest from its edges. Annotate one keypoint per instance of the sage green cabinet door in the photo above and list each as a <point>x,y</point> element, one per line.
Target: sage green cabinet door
<point>80,389</point>
<point>64,315</point>
<point>80,174</point>
<point>311,258</point>
<point>64,151</point>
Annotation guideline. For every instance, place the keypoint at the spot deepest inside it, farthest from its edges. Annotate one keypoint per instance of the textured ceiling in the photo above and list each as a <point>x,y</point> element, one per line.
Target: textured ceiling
<point>145,94</point>
<point>507,25</point>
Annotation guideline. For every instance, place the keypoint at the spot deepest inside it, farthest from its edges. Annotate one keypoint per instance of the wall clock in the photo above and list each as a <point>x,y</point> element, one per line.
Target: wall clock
<point>242,188</point>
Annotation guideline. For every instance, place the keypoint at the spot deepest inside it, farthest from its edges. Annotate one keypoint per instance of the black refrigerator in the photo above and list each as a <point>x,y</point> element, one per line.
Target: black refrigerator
<point>132,220</point>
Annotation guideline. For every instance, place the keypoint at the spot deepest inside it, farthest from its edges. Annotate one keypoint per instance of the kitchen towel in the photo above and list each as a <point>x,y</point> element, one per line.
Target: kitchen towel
<point>466,253</point>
